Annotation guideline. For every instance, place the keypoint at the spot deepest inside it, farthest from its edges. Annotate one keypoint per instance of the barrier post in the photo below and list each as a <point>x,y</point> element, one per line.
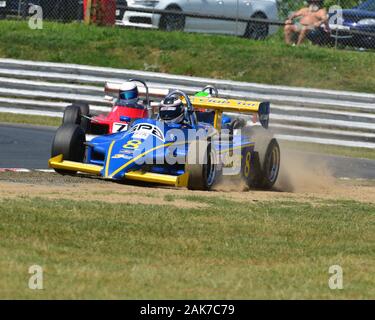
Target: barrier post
<point>87,11</point>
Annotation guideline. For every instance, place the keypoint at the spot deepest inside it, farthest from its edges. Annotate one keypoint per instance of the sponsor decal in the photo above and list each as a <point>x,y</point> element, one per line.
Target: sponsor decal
<point>126,151</point>
<point>144,130</point>
<point>168,108</point>
<point>121,156</point>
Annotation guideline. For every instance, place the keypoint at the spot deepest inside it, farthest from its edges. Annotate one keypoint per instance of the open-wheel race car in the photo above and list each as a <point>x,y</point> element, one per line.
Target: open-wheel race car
<point>127,106</point>
<point>181,147</point>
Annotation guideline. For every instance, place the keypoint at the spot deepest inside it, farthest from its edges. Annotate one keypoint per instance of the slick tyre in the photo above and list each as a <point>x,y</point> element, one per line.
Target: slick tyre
<point>74,113</point>
<point>70,142</point>
<point>201,166</point>
<point>85,112</point>
<point>263,174</point>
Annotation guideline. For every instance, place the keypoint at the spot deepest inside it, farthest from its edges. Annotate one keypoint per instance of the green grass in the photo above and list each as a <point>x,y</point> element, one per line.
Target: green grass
<point>228,250</point>
<point>29,119</point>
<point>225,57</point>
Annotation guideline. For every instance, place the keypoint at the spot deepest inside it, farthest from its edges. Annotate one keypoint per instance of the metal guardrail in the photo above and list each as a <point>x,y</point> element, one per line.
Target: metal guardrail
<point>299,114</point>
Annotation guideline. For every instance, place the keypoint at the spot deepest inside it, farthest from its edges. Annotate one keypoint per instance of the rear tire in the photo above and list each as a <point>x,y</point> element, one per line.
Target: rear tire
<point>74,113</point>
<point>264,175</point>
<point>70,142</point>
<point>202,176</point>
<point>85,111</point>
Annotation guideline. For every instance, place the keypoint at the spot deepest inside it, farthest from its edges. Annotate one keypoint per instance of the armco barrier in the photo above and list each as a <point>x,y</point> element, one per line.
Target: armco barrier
<point>300,114</point>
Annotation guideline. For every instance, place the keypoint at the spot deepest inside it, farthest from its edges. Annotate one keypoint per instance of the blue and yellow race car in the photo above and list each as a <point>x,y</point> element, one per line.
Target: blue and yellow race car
<point>194,152</point>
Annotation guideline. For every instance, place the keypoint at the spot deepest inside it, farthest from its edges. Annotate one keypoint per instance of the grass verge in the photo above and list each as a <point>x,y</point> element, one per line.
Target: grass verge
<point>213,56</point>
<point>229,249</point>
<point>29,119</point>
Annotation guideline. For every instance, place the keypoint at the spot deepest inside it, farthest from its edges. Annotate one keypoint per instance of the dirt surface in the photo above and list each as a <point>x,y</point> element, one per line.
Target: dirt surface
<point>309,188</point>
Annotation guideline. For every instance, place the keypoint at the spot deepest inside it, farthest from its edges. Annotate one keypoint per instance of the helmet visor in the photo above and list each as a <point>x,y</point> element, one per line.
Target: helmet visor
<point>129,95</point>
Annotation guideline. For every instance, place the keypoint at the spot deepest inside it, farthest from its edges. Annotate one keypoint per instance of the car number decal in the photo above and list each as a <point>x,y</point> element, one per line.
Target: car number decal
<point>119,127</point>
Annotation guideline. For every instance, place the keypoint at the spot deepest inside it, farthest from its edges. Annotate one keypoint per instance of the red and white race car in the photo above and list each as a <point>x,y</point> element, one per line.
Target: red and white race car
<point>127,106</point>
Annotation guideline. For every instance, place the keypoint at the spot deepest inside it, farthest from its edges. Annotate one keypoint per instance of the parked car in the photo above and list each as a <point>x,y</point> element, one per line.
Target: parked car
<point>265,9</point>
<point>357,29</point>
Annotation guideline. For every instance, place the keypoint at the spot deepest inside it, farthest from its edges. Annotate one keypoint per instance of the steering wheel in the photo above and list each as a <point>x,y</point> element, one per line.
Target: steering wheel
<point>212,90</point>
<point>189,110</point>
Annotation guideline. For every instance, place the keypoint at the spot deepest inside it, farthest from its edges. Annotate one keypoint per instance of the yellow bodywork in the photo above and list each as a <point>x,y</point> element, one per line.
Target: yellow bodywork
<point>178,181</point>
<point>225,105</point>
<point>220,105</point>
<point>60,164</point>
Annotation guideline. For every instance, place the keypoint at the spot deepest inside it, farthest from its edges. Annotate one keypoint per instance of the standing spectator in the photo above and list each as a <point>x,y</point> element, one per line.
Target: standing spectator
<point>301,22</point>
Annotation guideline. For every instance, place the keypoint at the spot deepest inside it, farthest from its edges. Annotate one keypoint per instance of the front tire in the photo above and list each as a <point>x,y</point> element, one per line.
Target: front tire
<point>70,142</point>
<point>257,30</point>
<point>172,22</point>
<point>201,166</point>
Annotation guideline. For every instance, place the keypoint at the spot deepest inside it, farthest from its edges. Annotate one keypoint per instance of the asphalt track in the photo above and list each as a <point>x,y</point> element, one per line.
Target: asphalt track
<point>25,146</point>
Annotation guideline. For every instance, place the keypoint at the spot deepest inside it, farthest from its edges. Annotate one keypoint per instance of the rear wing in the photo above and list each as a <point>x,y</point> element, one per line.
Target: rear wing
<point>220,105</point>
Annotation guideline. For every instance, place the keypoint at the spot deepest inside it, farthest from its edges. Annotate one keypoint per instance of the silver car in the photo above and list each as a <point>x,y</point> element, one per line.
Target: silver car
<point>237,9</point>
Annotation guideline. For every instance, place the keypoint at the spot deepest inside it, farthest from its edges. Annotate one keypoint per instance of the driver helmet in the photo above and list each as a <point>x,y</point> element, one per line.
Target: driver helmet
<point>204,94</point>
<point>172,110</point>
<point>128,93</point>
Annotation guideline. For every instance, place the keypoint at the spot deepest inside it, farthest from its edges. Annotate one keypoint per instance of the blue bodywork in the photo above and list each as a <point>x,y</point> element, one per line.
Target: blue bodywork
<point>147,144</point>
<point>353,31</point>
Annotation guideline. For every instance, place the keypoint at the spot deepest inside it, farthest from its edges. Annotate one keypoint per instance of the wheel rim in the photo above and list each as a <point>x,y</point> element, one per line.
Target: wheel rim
<point>274,165</point>
<point>173,23</point>
<point>257,31</point>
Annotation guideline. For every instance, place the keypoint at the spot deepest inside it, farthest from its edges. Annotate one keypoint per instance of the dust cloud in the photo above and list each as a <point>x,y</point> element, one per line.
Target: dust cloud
<point>299,172</point>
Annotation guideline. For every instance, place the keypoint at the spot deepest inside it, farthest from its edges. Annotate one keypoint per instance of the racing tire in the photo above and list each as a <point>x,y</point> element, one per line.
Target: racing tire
<point>202,176</point>
<point>172,22</point>
<point>69,141</point>
<point>73,115</point>
<point>256,30</point>
<point>85,111</point>
<point>264,175</point>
